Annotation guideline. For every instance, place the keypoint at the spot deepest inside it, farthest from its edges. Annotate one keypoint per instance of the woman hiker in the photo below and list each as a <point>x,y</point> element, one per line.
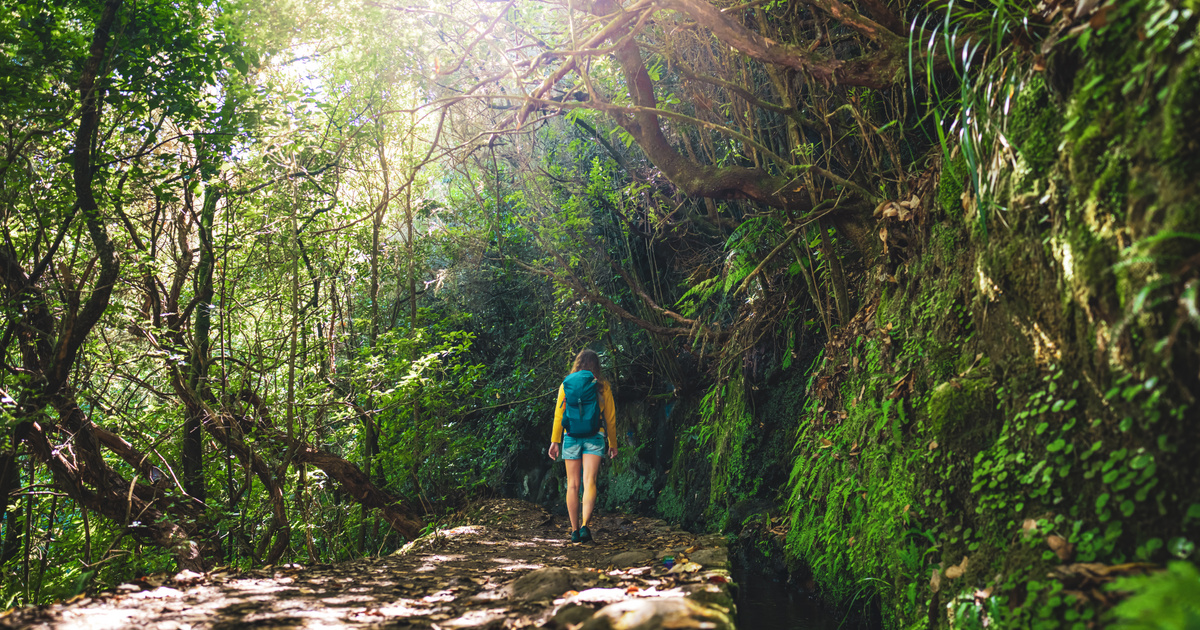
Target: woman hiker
<point>583,399</point>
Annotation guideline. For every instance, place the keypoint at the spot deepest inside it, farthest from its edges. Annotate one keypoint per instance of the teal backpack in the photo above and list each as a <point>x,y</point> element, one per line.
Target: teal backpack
<point>581,408</point>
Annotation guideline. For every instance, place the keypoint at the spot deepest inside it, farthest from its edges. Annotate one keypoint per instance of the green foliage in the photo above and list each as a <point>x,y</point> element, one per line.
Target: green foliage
<point>424,386</point>
<point>972,116</point>
<point>726,429</point>
<point>850,506</point>
<point>1167,600</point>
<point>628,484</point>
<point>671,504</point>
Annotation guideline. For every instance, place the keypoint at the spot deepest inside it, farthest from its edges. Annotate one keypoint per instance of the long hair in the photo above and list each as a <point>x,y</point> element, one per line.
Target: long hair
<point>590,361</point>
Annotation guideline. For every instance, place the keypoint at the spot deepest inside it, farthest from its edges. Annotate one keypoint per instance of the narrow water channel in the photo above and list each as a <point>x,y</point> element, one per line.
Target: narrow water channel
<point>764,602</point>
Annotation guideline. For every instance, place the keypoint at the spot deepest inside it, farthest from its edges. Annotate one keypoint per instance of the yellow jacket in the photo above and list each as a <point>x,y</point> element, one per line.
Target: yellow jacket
<point>607,407</point>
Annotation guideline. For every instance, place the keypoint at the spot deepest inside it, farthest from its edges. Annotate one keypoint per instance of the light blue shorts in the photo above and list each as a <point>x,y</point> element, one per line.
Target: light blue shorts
<point>575,448</point>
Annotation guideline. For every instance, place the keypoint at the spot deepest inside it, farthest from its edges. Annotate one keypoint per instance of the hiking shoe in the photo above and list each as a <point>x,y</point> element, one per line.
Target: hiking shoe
<point>585,534</point>
<point>575,536</point>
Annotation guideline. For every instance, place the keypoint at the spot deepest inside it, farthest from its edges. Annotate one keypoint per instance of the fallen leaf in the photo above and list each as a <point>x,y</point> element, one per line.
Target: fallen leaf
<point>687,567</point>
<point>935,581</point>
<point>1100,17</point>
<point>632,589</point>
<point>933,445</point>
<point>1061,548</point>
<point>825,443</point>
<point>900,385</point>
<point>958,570</point>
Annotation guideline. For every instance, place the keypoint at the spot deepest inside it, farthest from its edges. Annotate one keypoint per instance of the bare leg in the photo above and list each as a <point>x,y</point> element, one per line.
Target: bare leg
<point>573,469</point>
<point>591,467</point>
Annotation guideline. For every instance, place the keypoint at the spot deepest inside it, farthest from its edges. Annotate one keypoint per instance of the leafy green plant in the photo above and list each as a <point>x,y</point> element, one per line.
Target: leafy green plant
<point>1163,600</point>
<point>971,115</point>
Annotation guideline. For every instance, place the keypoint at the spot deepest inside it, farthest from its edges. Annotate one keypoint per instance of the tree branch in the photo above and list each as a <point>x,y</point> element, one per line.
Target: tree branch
<point>882,71</point>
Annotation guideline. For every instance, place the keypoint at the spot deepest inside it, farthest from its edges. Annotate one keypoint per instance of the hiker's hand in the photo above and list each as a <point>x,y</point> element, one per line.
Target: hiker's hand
<point>555,447</point>
<point>612,452</point>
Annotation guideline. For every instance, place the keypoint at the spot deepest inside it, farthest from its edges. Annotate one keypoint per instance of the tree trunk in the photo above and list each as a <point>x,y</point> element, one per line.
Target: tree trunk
<point>10,483</point>
<point>193,431</point>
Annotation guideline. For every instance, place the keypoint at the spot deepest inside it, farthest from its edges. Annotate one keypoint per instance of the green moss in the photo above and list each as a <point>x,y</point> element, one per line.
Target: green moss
<point>1092,260</point>
<point>1180,145</point>
<point>967,363</point>
<point>943,242</point>
<point>1087,150</point>
<point>1034,125</point>
<point>670,504</point>
<point>681,500</point>
<point>962,412</point>
<point>1109,190</point>
<point>950,185</point>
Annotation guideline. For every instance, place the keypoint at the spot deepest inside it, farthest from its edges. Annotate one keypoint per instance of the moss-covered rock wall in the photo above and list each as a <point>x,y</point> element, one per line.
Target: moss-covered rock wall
<point>1008,424</point>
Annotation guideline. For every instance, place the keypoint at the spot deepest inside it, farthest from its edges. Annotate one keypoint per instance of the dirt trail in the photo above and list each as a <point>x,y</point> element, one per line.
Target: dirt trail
<point>510,567</point>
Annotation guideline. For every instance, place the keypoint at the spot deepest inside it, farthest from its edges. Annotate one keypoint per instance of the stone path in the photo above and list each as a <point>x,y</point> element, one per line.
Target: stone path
<point>509,567</point>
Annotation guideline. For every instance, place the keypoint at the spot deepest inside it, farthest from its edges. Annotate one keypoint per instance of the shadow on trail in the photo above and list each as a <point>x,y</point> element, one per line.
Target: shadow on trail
<point>510,567</point>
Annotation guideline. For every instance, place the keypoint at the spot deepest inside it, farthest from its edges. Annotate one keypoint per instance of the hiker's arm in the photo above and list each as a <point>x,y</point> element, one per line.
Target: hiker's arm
<point>556,435</point>
<point>609,408</point>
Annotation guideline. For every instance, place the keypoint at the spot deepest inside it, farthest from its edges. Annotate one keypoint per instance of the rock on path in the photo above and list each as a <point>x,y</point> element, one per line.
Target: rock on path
<point>509,567</point>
